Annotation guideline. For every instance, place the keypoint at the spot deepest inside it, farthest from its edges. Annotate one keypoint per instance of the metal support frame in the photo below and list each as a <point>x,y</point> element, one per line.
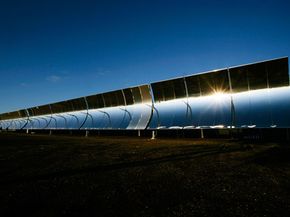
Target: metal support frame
<point>188,107</point>
<point>87,114</point>
<point>50,118</point>
<point>14,124</point>
<point>53,118</point>
<point>65,121</point>
<point>78,122</point>
<point>36,118</point>
<point>9,123</point>
<point>152,105</point>
<point>46,121</point>
<point>126,111</point>
<point>158,117</point>
<point>109,117</point>
<point>19,123</point>
<point>188,110</point>
<point>233,111</point>
<point>30,122</point>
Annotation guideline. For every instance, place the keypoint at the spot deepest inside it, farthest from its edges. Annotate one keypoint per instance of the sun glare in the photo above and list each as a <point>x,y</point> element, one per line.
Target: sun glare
<point>218,96</point>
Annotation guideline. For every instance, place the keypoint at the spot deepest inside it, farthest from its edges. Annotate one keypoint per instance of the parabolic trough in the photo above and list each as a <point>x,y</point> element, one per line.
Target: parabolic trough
<point>254,95</point>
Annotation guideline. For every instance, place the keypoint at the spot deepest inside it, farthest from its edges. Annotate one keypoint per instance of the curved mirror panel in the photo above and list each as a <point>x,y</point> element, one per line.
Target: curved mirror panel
<point>280,106</point>
<point>211,111</point>
<point>164,116</point>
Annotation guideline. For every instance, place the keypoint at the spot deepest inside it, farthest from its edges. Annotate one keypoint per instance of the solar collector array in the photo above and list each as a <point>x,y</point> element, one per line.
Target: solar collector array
<point>262,75</point>
<point>133,104</point>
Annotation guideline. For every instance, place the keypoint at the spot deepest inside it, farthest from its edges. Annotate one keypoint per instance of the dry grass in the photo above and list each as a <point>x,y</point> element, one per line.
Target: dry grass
<point>102,176</point>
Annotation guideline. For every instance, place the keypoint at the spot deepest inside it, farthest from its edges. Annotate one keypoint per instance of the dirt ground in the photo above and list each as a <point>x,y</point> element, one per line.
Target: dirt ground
<point>44,175</point>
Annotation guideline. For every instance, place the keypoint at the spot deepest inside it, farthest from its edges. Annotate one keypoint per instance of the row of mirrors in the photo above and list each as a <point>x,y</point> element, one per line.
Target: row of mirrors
<point>247,96</point>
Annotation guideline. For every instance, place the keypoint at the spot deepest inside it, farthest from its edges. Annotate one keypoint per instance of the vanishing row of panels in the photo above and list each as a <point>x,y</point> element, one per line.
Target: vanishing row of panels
<point>125,97</point>
<point>267,74</point>
<point>255,95</point>
<point>260,108</point>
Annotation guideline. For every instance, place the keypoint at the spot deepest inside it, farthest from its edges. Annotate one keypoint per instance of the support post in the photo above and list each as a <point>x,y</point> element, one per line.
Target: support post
<point>27,131</point>
<point>201,133</point>
<point>50,132</point>
<point>139,133</point>
<point>87,133</point>
<point>153,134</point>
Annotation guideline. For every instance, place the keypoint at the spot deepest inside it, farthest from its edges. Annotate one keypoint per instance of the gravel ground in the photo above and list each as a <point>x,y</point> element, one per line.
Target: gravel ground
<point>44,175</point>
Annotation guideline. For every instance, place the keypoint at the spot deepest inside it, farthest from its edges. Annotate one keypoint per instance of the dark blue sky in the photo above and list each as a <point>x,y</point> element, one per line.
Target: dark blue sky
<point>53,50</point>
